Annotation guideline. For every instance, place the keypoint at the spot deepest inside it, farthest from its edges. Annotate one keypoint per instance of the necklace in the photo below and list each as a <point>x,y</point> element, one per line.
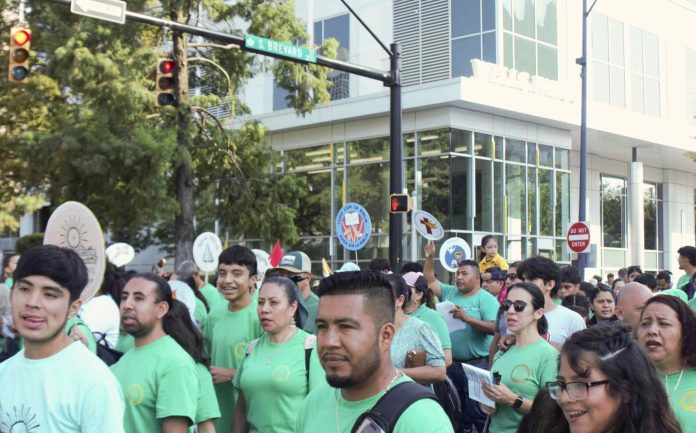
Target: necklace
<point>681,373</point>
<point>273,351</point>
<point>337,395</point>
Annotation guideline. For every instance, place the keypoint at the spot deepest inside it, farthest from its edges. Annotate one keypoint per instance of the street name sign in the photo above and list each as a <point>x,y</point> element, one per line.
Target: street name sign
<point>107,10</point>
<point>280,48</point>
<point>578,237</point>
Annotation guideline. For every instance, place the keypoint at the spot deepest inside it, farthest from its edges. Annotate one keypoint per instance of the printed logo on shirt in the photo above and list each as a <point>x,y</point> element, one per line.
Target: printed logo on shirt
<point>18,419</point>
<point>688,401</point>
<point>281,373</point>
<point>240,350</point>
<point>135,394</point>
<point>520,373</point>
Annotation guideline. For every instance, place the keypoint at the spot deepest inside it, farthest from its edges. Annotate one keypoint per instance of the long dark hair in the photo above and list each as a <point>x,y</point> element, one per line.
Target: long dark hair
<point>177,324</point>
<point>688,323</point>
<point>632,378</point>
<point>537,303</point>
<point>400,288</point>
<point>421,286</point>
<point>293,293</point>
<point>191,282</point>
<point>484,241</point>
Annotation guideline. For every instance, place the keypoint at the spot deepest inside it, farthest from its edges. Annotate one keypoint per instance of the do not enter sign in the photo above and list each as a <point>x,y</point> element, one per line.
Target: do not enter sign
<point>578,237</point>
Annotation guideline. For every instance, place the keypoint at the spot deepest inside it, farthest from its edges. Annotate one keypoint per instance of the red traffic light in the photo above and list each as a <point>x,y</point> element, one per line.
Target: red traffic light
<point>400,203</point>
<point>21,37</point>
<point>167,66</point>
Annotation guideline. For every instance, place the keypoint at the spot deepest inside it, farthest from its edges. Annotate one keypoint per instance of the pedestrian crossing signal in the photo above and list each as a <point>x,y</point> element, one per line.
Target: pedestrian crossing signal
<point>165,86</point>
<point>400,203</point>
<point>20,45</point>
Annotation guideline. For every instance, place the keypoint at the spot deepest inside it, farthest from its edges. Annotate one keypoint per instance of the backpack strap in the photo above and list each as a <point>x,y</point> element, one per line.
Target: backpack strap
<point>392,404</point>
<point>308,346</point>
<point>250,347</point>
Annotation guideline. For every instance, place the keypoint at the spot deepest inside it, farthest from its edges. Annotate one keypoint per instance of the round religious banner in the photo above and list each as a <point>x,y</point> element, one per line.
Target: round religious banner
<point>263,262</point>
<point>206,250</point>
<point>428,226</point>
<point>353,226</point>
<point>453,251</point>
<point>120,254</point>
<point>72,225</point>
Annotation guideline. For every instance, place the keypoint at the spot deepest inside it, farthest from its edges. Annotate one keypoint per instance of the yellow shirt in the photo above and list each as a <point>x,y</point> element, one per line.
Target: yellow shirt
<point>498,261</point>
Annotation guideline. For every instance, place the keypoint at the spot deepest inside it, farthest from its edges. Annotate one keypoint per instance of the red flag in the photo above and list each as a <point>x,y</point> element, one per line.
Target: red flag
<point>276,254</point>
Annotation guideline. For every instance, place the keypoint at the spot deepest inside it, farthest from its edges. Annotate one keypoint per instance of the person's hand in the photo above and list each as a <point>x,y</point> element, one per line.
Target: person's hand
<point>459,313</point>
<point>430,249</point>
<point>499,393</point>
<point>487,409</point>
<point>222,375</point>
<point>506,342</point>
<point>77,335</point>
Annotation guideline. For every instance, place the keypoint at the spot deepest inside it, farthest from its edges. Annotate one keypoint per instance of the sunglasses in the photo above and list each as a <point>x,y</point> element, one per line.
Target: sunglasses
<point>518,305</point>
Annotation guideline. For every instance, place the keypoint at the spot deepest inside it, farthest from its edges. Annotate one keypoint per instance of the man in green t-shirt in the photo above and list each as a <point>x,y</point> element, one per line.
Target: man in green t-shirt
<point>231,326</point>
<point>355,329</point>
<point>687,263</point>
<point>157,376</point>
<point>297,266</point>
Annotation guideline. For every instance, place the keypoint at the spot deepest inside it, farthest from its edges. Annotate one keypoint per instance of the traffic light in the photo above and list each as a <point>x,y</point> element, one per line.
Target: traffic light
<point>165,87</point>
<point>20,44</point>
<point>400,203</point>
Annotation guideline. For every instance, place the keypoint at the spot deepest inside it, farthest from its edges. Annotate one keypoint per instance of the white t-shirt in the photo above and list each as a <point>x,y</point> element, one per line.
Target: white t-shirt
<point>563,322</point>
<point>71,391</point>
<point>102,316</point>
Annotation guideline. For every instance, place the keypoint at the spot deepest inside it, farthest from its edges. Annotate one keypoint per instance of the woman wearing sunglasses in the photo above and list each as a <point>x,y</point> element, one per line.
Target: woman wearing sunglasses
<point>525,368</point>
<point>606,384</point>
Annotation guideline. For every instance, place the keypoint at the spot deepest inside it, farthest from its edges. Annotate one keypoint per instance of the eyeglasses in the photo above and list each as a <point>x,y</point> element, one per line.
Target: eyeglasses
<point>511,276</point>
<point>576,390</point>
<point>518,305</point>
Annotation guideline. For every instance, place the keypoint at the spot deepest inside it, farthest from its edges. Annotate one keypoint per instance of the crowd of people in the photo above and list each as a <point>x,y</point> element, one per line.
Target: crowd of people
<point>374,350</point>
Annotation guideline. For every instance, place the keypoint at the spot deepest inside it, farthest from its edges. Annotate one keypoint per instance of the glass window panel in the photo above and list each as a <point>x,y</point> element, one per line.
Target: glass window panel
<point>532,205</point>
<point>435,188</point>
<point>466,17</point>
<point>545,208</point>
<point>459,195</point>
<point>562,158</point>
<point>652,97</point>
<point>318,32</point>
<point>340,150</point>
<point>279,95</point>
<point>410,175</point>
<point>484,195</point>
<point>636,50</point>
<point>508,50</point>
<point>499,144</point>
<point>515,150</point>
<point>340,88</point>
<point>489,47</point>
<point>600,85</point>
<point>562,203</point>
<point>548,61</point>
<point>339,28</point>
<point>483,144</point>
<point>515,185</point>
<point>524,17</point>
<point>532,154</point>
<point>613,185</point>
<point>525,58</point>
<point>617,88</point>
<point>637,103</point>
<point>600,47</point>
<point>314,216</point>
<point>461,141</point>
<point>516,246</point>
<point>545,155</point>
<point>463,50</point>
<point>499,197</point>
<point>368,185</point>
<point>487,15</point>
<point>310,158</point>
<point>409,145</point>
<point>370,150</point>
<point>651,55</point>
<point>614,259</point>
<point>507,15</point>
<point>434,142</point>
<point>650,224</point>
<point>616,42</point>
<point>546,20</point>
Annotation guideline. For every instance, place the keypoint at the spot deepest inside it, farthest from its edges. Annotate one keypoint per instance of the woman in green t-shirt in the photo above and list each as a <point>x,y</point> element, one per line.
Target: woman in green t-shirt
<point>281,367</point>
<point>667,332</point>
<point>525,368</point>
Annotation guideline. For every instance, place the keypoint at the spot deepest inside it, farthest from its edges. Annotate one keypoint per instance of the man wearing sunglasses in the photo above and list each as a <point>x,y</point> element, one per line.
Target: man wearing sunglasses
<point>297,266</point>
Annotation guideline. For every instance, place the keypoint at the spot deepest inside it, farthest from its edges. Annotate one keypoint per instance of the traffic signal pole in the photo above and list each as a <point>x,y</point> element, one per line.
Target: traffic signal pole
<point>389,78</point>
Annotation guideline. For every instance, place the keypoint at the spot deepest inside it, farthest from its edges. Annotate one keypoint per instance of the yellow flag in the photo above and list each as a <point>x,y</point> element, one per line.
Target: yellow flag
<point>325,268</point>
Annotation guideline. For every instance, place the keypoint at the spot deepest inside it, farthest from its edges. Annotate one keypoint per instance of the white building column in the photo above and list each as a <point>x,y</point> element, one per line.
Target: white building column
<point>636,227</point>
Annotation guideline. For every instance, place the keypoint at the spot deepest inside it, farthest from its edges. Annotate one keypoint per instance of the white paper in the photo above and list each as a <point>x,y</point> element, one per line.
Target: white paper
<point>476,377</point>
<point>453,323</point>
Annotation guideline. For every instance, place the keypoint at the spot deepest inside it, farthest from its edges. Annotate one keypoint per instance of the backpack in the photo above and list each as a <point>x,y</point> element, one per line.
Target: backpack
<point>104,352</point>
<point>386,412</point>
<point>448,397</point>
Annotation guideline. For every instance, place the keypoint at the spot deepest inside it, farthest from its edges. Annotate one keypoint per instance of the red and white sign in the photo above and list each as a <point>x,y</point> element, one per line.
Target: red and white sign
<point>578,237</point>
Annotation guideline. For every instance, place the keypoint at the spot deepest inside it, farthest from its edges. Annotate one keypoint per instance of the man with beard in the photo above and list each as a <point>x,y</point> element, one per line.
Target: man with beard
<point>54,384</point>
<point>157,376</point>
<point>355,328</point>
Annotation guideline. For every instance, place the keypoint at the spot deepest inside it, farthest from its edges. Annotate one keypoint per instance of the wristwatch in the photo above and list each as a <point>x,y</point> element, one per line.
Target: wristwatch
<point>518,401</point>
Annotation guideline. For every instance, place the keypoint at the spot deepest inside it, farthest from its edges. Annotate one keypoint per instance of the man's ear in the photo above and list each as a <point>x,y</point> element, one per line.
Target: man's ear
<point>74,308</point>
<point>619,312</point>
<point>386,335</point>
<point>162,309</point>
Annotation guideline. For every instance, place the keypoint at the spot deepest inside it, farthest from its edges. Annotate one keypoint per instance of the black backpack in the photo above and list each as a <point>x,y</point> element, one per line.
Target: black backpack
<point>448,397</point>
<point>104,352</point>
<point>386,412</point>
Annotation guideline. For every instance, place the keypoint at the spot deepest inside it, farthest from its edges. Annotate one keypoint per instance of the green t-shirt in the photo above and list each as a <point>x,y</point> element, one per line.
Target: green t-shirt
<point>680,282</point>
<point>200,313</point>
<point>207,405</point>
<point>9,282</point>
<point>312,304</point>
<point>158,381</point>
<point>227,334</point>
<point>525,370</point>
<point>273,379</point>
<point>682,397</point>
<point>212,296</point>
<point>325,410</point>
<point>76,321</point>
<point>470,343</point>
<point>125,342</point>
<point>434,319</point>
